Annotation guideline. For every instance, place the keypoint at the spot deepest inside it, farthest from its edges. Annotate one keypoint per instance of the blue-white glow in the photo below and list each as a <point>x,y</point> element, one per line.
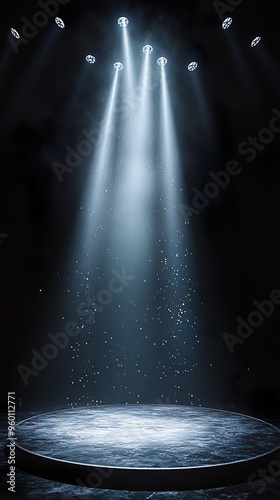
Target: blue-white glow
<point>227,23</point>
<point>255,41</point>
<point>148,49</point>
<point>133,194</point>
<point>15,33</point>
<point>169,151</point>
<point>192,66</point>
<point>123,22</point>
<point>144,118</point>
<point>171,185</point>
<point>101,165</point>
<point>128,62</point>
<point>59,22</point>
<point>162,61</point>
<point>118,66</point>
<point>90,59</point>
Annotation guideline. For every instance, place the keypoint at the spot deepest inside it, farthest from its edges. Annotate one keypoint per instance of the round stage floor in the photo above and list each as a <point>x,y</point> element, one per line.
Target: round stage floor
<point>145,447</point>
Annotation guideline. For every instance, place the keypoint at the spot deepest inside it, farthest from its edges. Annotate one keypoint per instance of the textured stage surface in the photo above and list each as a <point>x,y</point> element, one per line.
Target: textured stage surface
<point>145,447</point>
<point>147,436</point>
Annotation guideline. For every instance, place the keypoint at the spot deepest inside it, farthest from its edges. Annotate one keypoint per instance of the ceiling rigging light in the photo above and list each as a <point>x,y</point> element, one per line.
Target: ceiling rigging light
<point>59,22</point>
<point>255,41</point>
<point>192,66</point>
<point>162,61</point>
<point>123,22</point>
<point>227,23</point>
<point>148,49</point>
<point>90,59</point>
<point>118,66</point>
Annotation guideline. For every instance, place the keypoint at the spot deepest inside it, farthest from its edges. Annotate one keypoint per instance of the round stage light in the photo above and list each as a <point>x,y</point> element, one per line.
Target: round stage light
<point>162,61</point>
<point>15,33</point>
<point>118,66</point>
<point>123,22</point>
<point>90,59</point>
<point>227,23</point>
<point>59,22</point>
<point>255,41</point>
<point>148,49</point>
<point>192,66</point>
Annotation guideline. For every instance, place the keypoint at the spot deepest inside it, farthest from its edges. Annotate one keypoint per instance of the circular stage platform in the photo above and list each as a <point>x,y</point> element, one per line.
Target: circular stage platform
<point>145,447</point>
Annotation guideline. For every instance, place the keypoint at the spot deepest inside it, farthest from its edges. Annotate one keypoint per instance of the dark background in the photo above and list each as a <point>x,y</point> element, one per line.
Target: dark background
<point>48,95</point>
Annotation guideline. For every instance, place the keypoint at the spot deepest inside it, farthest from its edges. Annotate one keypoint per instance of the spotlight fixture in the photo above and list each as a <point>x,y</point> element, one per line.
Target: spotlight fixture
<point>59,22</point>
<point>90,59</point>
<point>148,49</point>
<point>123,22</point>
<point>15,33</point>
<point>227,22</point>
<point>192,66</point>
<point>118,66</point>
<point>255,41</point>
<point>162,61</point>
